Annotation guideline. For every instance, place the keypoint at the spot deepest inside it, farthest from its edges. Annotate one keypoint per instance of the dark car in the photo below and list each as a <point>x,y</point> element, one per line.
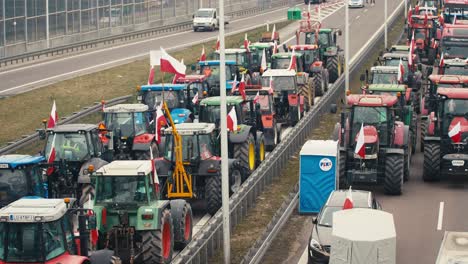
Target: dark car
<point>320,239</point>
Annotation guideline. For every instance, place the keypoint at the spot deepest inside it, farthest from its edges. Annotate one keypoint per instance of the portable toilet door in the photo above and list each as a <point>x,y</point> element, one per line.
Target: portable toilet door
<point>318,174</point>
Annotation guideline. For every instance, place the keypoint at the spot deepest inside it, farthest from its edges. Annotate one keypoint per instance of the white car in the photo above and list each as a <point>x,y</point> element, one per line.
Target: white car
<point>356,3</point>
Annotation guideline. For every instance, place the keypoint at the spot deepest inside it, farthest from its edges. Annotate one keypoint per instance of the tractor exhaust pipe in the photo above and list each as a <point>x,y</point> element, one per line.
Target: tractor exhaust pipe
<point>84,233</point>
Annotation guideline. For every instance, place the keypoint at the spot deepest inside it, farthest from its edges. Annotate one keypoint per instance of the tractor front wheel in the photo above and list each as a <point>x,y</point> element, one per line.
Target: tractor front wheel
<point>334,68</point>
<point>394,169</point>
<point>157,245</point>
<point>213,193</point>
<point>260,149</point>
<point>431,167</point>
<point>182,220</point>
<point>245,153</point>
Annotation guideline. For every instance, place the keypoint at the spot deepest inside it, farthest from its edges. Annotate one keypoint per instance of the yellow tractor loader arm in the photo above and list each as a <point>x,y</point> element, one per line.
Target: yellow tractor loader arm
<point>181,185</point>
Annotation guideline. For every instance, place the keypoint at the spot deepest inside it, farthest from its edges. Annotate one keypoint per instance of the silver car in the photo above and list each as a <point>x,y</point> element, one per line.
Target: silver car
<point>320,239</point>
<point>356,3</point>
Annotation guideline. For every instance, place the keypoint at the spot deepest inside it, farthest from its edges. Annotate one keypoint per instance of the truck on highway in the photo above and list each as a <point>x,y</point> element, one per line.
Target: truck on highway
<point>207,19</point>
<point>454,248</point>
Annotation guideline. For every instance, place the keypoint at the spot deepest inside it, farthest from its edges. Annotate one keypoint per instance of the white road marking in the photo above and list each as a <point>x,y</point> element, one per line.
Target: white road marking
<point>198,226</point>
<point>358,17</point>
<point>441,216</point>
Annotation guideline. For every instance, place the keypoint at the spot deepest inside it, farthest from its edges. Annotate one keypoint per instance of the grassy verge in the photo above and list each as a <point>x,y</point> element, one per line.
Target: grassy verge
<point>245,234</point>
<point>24,112</point>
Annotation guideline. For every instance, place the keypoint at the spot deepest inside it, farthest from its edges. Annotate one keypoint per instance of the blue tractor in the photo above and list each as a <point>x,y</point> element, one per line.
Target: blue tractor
<point>175,96</point>
<point>20,175</point>
<point>211,69</point>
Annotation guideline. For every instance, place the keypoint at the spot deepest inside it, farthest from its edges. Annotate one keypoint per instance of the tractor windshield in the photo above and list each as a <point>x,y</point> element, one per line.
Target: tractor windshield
<point>127,124</point>
<point>456,107</point>
<point>455,48</point>
<point>239,58</point>
<point>396,62</point>
<point>384,78</point>
<point>309,55</point>
<point>456,70</point>
<point>121,190</point>
<point>311,38</point>
<point>68,146</point>
<point>212,74</point>
<point>371,116</point>
<point>280,63</point>
<point>210,114</point>
<point>420,33</point>
<point>193,146</point>
<point>173,98</point>
<point>280,83</point>
<point>25,243</point>
<point>17,183</point>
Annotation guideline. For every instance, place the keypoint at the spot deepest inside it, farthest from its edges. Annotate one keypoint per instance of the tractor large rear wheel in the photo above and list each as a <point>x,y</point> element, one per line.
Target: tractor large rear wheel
<point>431,167</point>
<point>245,153</point>
<point>394,167</point>
<point>422,134</point>
<point>342,170</point>
<point>260,149</point>
<point>213,193</point>
<point>334,68</point>
<point>406,173</point>
<point>157,245</point>
<point>318,84</point>
<point>182,220</point>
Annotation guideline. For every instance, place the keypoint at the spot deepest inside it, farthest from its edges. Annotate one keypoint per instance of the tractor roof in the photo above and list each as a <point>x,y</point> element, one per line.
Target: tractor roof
<point>360,198</point>
<point>400,48</point>
<point>454,93</point>
<point>303,47</point>
<point>126,168</point>
<point>372,100</point>
<point>233,51</point>
<point>396,56</point>
<point>163,86</point>
<point>387,87</point>
<point>459,2</point>
<point>385,69</point>
<point>279,73</point>
<point>126,108</point>
<point>282,55</point>
<point>191,78</point>
<point>215,100</point>
<point>33,210</point>
<point>449,79</point>
<point>14,160</point>
<point>192,128</point>
<point>455,62</point>
<point>215,63</point>
<point>260,45</point>
<point>458,30</point>
<point>70,128</point>
<point>206,9</point>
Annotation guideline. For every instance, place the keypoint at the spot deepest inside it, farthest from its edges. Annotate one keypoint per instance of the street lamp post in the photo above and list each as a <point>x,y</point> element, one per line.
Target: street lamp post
<point>346,51</point>
<point>47,24</point>
<point>386,27</point>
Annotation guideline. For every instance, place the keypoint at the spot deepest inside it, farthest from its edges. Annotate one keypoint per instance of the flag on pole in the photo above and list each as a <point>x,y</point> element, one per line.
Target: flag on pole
<point>153,171</point>
<point>160,121</point>
<point>360,144</point>
<point>195,99</point>
<point>217,44</point>
<point>256,98</point>
<point>51,156</point>
<point>232,119</point>
<point>275,47</point>
<point>263,65</point>
<point>234,84</point>
<point>171,65</point>
<point>271,90</point>
<point>401,71</point>
<point>53,117</point>
<point>442,62</point>
<point>203,54</point>
<point>348,203</point>
<point>454,19</point>
<point>273,32</point>
<point>292,64</point>
<point>151,76</point>
<point>242,87</point>
<point>455,133</point>
<point>411,51</point>
<point>246,43</point>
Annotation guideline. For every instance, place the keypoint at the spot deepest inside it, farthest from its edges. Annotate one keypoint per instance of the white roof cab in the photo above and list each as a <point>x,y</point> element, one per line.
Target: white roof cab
<point>278,73</point>
<point>126,108</point>
<point>126,168</point>
<point>31,210</point>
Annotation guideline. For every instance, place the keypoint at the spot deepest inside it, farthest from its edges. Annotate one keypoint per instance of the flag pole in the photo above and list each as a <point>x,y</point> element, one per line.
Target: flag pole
<point>224,141</point>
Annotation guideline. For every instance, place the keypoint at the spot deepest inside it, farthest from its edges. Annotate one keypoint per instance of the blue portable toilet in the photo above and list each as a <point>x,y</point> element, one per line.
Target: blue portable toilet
<point>318,174</point>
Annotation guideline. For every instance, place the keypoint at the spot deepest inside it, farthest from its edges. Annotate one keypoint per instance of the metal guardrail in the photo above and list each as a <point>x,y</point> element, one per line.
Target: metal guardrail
<point>209,238</point>
<point>31,56</point>
<point>12,146</point>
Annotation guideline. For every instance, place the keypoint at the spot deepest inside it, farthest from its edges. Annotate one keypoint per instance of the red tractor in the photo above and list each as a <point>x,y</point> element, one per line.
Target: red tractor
<point>381,154</point>
<point>429,102</point>
<point>446,140</point>
<point>426,31</point>
<point>454,41</point>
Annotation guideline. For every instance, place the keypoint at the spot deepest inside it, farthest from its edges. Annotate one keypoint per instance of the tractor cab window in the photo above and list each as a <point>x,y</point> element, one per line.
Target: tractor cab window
<point>54,239</point>
<point>265,103</point>
<point>311,38</point>
<point>384,78</point>
<point>396,63</point>
<point>280,63</point>
<point>324,39</point>
<point>371,116</point>
<point>281,83</point>
<point>127,124</point>
<point>449,85</point>
<point>212,74</point>
<point>239,58</point>
<point>456,70</point>
<point>455,48</point>
<point>456,107</point>
<point>308,55</point>
<point>13,185</point>
<point>206,146</point>
<point>68,146</point>
<point>154,98</point>
<point>210,114</point>
<point>121,191</point>
<point>420,33</point>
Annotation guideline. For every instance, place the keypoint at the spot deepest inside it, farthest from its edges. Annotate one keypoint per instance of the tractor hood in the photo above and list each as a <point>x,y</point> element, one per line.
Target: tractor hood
<point>370,135</point>
<point>180,115</point>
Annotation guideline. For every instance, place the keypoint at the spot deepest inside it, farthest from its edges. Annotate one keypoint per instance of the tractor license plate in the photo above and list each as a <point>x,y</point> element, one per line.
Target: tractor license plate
<point>3,166</point>
<point>458,163</point>
<point>26,218</point>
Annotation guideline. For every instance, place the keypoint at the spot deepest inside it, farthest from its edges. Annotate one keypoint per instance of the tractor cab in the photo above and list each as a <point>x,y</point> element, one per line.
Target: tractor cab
<point>20,175</point>
<point>432,4</point>
<point>211,69</point>
<point>310,54</point>
<point>196,85</point>
<point>42,231</point>
<point>453,67</point>
<point>210,109</point>
<point>427,10</point>
<point>441,81</point>
<point>399,49</point>
<point>383,75</point>
<point>455,10</point>
<point>132,131</point>
<point>239,56</point>
<point>281,60</point>
<point>454,43</point>
<point>270,37</point>
<point>427,33</point>
<point>256,51</point>
<point>178,100</point>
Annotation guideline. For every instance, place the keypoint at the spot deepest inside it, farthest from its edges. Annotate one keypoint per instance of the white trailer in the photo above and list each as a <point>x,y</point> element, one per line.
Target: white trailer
<point>363,236</point>
<point>454,248</point>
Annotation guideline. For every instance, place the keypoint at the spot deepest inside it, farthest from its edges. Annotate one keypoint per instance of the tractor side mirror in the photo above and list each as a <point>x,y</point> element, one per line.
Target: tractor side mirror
<point>367,75</point>
<point>285,48</point>
<point>362,78</point>
<point>420,67</point>
<point>314,220</point>
<point>340,32</point>
<point>429,69</point>
<point>193,16</point>
<point>42,134</point>
<point>333,108</point>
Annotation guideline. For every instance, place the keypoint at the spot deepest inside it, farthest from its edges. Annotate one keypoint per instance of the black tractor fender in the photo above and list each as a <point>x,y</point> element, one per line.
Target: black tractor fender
<point>406,133</point>
<point>397,151</point>
<point>431,139</point>
<point>163,167</point>
<point>242,135</point>
<point>205,165</point>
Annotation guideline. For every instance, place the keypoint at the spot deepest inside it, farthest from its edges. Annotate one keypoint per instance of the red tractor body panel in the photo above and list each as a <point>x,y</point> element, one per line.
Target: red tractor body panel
<point>454,93</point>
<point>372,100</point>
<point>370,135</point>
<point>191,78</point>
<point>267,120</point>
<point>448,79</point>
<point>143,139</point>
<point>399,133</point>
<point>303,47</point>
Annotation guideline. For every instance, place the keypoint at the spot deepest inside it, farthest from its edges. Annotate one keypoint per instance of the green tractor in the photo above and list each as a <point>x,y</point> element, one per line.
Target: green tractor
<point>246,142</point>
<point>330,53</point>
<point>131,219</point>
<point>281,60</point>
<point>404,108</point>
